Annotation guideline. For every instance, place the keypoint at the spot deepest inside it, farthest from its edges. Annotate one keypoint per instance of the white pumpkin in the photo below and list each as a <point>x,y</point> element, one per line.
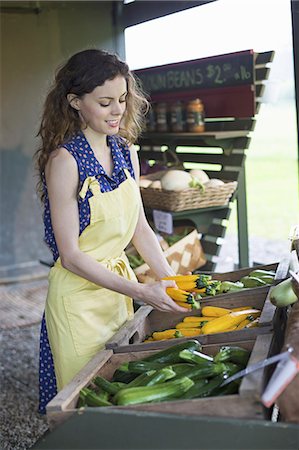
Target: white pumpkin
<point>201,175</point>
<point>214,182</point>
<point>176,180</point>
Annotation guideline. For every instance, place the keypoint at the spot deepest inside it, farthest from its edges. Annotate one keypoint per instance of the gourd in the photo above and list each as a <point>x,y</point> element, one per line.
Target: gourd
<point>176,180</point>
<point>214,182</point>
<point>283,294</point>
<point>201,175</point>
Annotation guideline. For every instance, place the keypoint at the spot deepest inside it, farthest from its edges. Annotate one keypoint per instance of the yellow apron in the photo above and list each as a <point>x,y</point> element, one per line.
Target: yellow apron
<point>82,316</point>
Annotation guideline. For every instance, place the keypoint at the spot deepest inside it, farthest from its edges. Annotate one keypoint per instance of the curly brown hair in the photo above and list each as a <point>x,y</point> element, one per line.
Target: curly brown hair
<point>81,74</point>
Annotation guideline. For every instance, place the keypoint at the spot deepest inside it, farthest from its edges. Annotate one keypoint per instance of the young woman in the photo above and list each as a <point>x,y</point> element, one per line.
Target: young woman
<point>92,209</point>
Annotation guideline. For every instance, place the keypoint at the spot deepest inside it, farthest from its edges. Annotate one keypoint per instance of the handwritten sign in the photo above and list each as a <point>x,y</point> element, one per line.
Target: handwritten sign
<point>234,69</point>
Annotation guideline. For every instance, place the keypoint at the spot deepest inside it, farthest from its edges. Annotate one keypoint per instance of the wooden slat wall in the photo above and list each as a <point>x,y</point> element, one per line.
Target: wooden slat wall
<point>228,162</point>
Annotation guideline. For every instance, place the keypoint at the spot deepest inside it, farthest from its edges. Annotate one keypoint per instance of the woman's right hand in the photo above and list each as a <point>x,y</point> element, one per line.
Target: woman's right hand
<point>154,294</point>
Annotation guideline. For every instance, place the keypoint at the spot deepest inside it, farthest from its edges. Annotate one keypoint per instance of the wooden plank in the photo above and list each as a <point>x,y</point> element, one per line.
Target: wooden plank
<point>230,160</point>
<point>129,332</point>
<point>262,73</point>
<point>69,393</point>
<point>259,90</point>
<point>246,335</point>
<point>165,138</point>
<point>254,382</point>
<point>264,58</point>
<point>229,125</point>
<point>210,248</point>
<point>217,230</point>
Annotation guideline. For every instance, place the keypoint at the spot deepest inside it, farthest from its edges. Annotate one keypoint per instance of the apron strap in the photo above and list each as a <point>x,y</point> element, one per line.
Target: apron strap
<point>89,183</point>
<point>127,172</point>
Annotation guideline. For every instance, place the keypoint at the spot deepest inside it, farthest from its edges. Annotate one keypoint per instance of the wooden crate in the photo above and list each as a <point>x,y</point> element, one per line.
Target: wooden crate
<point>147,320</point>
<point>244,405</point>
<point>184,256</point>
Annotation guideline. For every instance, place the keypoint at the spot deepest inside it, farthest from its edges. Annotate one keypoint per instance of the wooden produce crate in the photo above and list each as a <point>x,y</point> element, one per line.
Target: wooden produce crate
<point>147,320</point>
<point>184,256</point>
<point>244,405</point>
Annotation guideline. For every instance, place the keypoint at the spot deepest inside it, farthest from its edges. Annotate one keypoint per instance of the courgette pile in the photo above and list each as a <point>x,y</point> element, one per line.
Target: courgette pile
<point>182,371</point>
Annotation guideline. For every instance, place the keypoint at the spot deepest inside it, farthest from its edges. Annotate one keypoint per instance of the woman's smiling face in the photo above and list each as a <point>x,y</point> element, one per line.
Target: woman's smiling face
<point>103,108</point>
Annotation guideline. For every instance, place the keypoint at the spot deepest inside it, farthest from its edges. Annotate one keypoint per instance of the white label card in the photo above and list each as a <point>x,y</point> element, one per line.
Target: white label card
<point>163,221</point>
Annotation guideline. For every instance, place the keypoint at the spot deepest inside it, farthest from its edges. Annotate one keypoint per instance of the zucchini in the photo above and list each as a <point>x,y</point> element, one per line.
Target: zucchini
<point>106,385</point>
<point>141,366</point>
<point>171,354</point>
<point>229,389</point>
<point>92,399</point>
<point>181,369</point>
<point>203,388</point>
<point>195,357</point>
<point>208,371</point>
<point>153,377</point>
<point>251,282</point>
<point>233,354</point>
<point>229,369</point>
<point>262,273</point>
<point>156,393</point>
<point>121,376</point>
<point>140,380</point>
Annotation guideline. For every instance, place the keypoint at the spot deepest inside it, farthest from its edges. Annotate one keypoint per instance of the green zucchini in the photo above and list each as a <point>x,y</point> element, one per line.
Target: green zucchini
<point>171,354</point>
<point>141,380</point>
<point>121,376</point>
<point>156,393</point>
<point>104,384</point>
<point>230,286</point>
<point>195,356</point>
<point>251,282</point>
<point>92,399</point>
<point>153,377</point>
<point>208,371</point>
<point>229,389</point>
<point>141,366</point>
<point>203,388</point>
<point>235,354</point>
<point>262,273</point>
<point>182,369</point>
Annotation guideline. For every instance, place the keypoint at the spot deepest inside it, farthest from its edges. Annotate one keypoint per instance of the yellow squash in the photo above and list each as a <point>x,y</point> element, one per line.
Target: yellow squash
<point>227,321</point>
<point>214,311</point>
<point>166,334</point>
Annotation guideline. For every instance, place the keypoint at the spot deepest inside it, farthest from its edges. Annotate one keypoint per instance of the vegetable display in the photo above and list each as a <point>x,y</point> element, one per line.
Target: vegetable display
<point>182,371</point>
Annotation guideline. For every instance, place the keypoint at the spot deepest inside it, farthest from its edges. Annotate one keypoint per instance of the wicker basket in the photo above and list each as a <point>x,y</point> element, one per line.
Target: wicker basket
<point>184,256</point>
<point>191,198</point>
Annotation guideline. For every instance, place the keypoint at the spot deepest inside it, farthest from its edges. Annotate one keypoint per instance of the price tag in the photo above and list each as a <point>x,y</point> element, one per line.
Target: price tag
<point>163,221</point>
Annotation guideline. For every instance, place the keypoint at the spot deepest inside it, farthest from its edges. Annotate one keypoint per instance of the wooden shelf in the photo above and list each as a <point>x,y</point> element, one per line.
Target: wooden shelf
<point>191,136</point>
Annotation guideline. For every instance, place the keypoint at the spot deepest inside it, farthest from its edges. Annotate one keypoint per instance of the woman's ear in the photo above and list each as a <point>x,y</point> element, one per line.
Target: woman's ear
<point>74,101</point>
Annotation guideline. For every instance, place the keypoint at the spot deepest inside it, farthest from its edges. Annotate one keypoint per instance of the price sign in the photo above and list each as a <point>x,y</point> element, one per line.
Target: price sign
<point>232,69</point>
<point>163,221</point>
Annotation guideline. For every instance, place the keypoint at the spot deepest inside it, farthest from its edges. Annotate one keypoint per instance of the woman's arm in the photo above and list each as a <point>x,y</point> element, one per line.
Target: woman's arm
<point>145,240</point>
<point>62,183</point>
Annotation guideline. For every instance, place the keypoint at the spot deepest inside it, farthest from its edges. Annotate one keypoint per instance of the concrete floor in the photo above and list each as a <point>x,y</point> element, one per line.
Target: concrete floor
<point>21,425</point>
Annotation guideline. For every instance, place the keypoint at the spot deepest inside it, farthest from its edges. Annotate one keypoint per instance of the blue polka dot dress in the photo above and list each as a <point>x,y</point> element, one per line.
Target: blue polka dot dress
<point>88,165</point>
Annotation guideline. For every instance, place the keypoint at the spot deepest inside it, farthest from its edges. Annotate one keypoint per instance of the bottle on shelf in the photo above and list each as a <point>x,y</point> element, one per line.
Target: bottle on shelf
<point>161,117</point>
<point>177,122</point>
<point>195,116</point>
<point>150,118</point>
